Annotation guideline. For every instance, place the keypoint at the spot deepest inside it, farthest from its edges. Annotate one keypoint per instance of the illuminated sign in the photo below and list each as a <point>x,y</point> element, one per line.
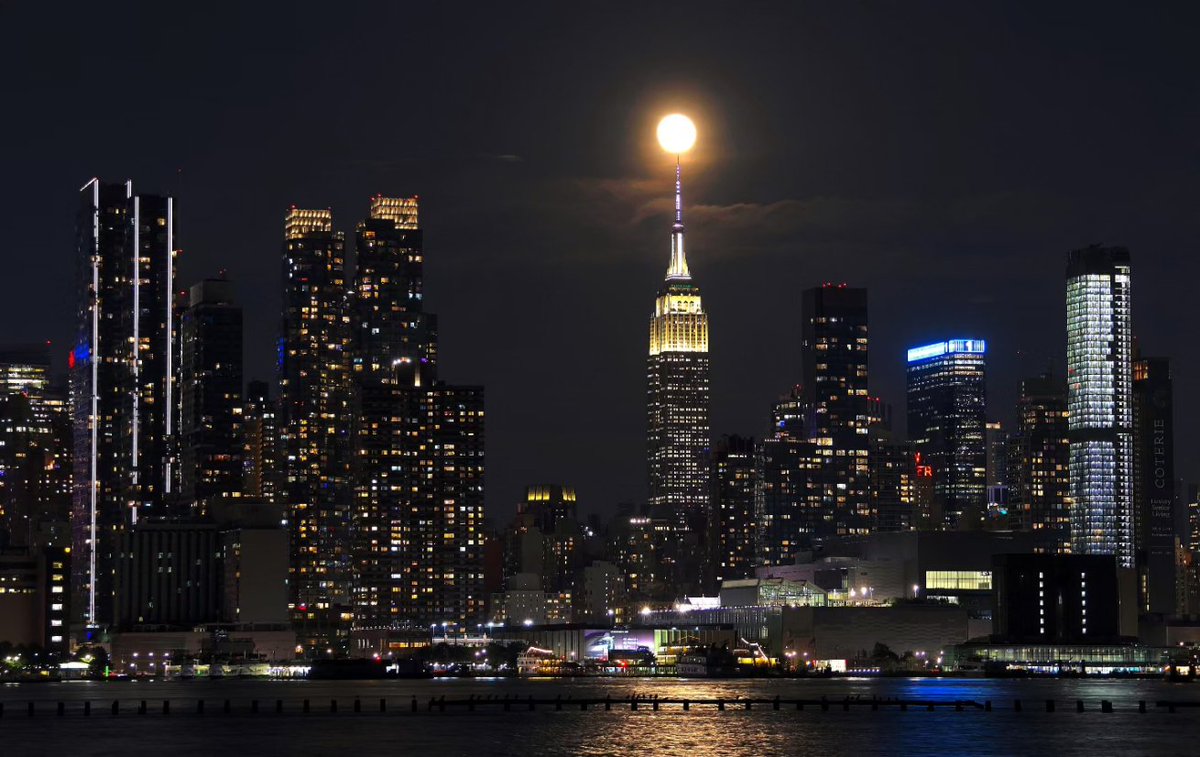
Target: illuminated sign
<point>950,346</point>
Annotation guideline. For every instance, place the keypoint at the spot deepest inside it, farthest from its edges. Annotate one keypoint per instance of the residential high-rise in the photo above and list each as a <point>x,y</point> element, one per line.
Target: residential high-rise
<point>837,405</point>
<point>895,489</point>
<point>35,473</point>
<point>788,506</point>
<point>417,518</point>
<point>314,420</point>
<point>1154,484</point>
<point>731,524</point>
<point>947,416</point>
<point>260,444</point>
<point>677,397</point>
<point>1038,463</point>
<point>122,379</point>
<point>210,423</point>
<point>1100,402</point>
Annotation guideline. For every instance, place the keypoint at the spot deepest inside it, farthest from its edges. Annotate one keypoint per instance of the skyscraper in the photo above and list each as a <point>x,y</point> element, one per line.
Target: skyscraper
<point>417,519</point>
<point>731,524</point>
<point>1038,462</point>
<point>788,506</point>
<point>1154,483</point>
<point>122,378</point>
<point>210,424</point>
<point>1100,402</point>
<point>35,450</point>
<point>314,364</point>
<point>677,397</point>
<point>947,415</point>
<point>837,404</point>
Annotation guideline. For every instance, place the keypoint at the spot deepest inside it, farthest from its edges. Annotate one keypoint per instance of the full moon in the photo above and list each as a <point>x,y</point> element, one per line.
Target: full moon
<point>676,133</point>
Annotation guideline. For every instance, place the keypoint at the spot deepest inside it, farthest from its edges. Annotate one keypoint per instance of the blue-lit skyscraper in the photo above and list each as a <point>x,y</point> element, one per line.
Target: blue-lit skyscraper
<point>947,419</point>
<point>1100,402</point>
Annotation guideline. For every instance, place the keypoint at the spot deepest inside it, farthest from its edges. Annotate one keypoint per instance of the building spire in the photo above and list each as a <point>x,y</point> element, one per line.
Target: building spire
<point>678,269</point>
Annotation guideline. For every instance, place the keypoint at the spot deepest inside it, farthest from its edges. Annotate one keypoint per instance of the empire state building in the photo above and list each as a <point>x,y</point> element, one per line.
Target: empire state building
<point>677,415</point>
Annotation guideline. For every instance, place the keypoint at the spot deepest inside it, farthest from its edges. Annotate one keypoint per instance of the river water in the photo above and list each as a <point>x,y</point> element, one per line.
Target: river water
<point>700,732</point>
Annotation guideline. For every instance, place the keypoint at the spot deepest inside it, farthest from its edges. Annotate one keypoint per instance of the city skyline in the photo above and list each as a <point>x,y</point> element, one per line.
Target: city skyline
<point>612,188</point>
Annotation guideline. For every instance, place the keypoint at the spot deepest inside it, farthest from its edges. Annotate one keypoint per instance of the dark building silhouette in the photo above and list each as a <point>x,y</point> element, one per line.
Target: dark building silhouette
<point>210,424</point>
<point>837,406</point>
<point>1154,484</point>
<point>1056,599</point>
<point>789,511</point>
<point>1039,462</point>
<point>261,474</point>
<point>731,524</point>
<point>947,418</point>
<point>122,370</point>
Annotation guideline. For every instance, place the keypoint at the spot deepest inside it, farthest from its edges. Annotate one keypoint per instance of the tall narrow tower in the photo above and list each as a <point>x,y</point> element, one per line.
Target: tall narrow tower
<point>1100,402</point>
<point>122,372</point>
<point>314,365</point>
<point>677,404</point>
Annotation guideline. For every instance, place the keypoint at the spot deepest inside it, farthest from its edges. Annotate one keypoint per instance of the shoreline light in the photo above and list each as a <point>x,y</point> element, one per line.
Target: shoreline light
<point>676,133</point>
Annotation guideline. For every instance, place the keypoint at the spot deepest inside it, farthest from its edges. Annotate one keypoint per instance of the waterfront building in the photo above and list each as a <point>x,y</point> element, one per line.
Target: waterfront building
<point>1059,599</point>
<point>122,371</point>
<point>1039,462</point>
<point>677,396</point>
<point>35,597</point>
<point>1154,484</point>
<point>210,424</point>
<point>947,417</point>
<point>1100,402</point>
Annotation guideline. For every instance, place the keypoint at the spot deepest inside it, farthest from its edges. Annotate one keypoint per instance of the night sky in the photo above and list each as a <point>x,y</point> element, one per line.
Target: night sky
<point>944,155</point>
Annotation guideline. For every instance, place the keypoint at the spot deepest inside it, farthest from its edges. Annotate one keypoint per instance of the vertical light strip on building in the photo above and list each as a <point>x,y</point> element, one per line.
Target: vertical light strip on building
<point>95,358</point>
<point>170,334</point>
<point>137,340</point>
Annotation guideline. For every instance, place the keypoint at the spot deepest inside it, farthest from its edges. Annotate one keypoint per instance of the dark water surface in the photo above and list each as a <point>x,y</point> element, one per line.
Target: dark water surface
<point>700,732</point>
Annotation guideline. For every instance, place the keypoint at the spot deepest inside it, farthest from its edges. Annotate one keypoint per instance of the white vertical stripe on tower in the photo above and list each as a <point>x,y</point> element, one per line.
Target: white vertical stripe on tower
<point>137,336</point>
<point>94,356</point>
<point>169,409</point>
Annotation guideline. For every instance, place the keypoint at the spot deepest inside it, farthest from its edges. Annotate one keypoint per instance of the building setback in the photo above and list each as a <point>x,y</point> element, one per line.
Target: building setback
<point>417,518</point>
<point>677,395</point>
<point>1100,402</point>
